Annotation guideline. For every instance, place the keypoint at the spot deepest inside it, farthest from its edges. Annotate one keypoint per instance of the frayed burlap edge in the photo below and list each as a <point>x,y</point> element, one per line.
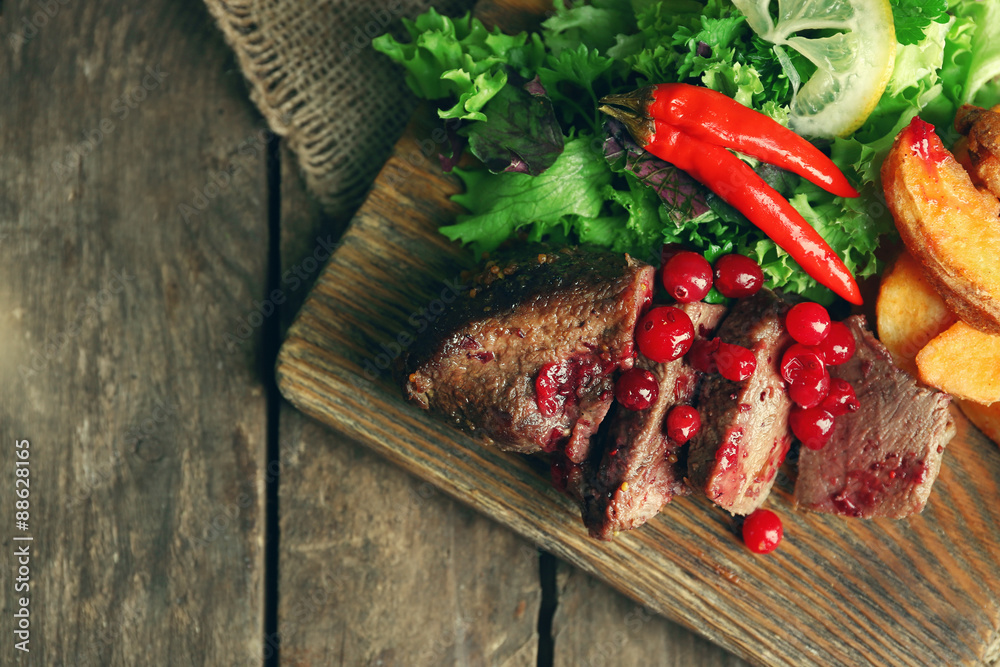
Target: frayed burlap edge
<point>992,656</point>
<point>272,89</point>
<point>312,73</point>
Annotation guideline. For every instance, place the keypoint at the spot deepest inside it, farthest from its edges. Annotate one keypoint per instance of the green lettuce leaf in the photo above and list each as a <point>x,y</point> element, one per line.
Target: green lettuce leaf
<point>576,79</point>
<point>502,204</point>
<point>596,25</point>
<point>911,18</point>
<point>459,58</point>
<point>984,57</point>
<point>947,55</point>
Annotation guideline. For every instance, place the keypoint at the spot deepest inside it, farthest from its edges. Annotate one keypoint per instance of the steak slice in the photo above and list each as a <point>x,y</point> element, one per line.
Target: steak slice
<point>640,472</point>
<point>882,459</point>
<point>744,434</point>
<point>526,360</point>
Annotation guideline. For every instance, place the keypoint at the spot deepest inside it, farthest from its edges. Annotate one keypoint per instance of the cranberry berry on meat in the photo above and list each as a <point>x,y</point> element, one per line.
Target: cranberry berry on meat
<point>808,323</point>
<point>637,389</point>
<point>737,276</point>
<point>702,355</point>
<point>800,359</point>
<point>810,388</point>
<point>838,346</point>
<point>813,426</point>
<point>683,423</point>
<point>687,276</point>
<point>664,334</point>
<point>734,362</point>
<point>841,398</point>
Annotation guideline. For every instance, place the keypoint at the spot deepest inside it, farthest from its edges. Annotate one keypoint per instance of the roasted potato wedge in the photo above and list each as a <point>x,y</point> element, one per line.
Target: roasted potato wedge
<point>909,312</point>
<point>948,225</point>
<point>964,362</point>
<point>985,417</point>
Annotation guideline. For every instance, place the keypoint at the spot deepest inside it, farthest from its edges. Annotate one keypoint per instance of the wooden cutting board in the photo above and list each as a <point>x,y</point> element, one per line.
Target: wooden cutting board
<point>925,591</point>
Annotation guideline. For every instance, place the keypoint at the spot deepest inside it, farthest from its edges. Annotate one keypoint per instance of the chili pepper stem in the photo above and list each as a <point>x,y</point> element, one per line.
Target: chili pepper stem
<point>638,100</point>
<point>640,127</point>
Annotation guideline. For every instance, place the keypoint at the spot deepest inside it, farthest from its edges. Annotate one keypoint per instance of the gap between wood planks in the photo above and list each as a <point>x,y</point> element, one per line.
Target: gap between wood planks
<point>271,343</point>
<point>547,608</point>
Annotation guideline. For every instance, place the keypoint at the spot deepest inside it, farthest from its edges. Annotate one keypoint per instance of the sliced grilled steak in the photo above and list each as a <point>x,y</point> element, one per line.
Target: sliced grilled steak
<point>640,471</point>
<point>744,435</point>
<point>882,459</point>
<point>526,361</point>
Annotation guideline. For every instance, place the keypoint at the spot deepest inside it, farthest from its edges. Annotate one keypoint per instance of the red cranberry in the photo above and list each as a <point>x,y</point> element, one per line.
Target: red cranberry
<point>838,346</point>
<point>841,398</point>
<point>800,359</point>
<point>810,388</point>
<point>808,323</point>
<point>762,532</point>
<point>702,355</point>
<point>683,423</point>
<point>550,378</point>
<point>812,426</point>
<point>737,276</point>
<point>687,276</point>
<point>664,334</point>
<point>636,389</point>
<point>735,363</point>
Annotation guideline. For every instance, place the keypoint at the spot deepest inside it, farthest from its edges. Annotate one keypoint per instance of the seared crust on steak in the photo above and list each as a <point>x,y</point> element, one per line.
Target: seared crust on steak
<point>570,312</point>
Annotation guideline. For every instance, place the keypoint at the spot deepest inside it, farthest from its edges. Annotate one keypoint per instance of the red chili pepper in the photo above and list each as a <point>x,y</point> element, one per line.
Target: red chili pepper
<point>709,115</point>
<point>737,184</point>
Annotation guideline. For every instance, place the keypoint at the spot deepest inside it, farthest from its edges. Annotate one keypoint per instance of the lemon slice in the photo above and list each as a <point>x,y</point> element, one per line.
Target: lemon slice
<point>853,65</point>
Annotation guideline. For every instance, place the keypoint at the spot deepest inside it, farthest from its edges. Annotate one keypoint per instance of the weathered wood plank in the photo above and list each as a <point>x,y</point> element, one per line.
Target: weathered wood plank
<point>376,566</point>
<point>147,433</point>
<point>838,591</point>
<point>595,626</point>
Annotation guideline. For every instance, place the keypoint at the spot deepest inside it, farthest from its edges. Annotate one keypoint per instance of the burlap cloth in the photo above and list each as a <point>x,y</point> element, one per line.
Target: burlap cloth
<point>338,103</point>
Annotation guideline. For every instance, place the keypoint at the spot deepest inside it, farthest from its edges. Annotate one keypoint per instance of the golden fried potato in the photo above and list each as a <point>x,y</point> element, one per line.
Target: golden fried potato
<point>963,362</point>
<point>948,225</point>
<point>985,417</point>
<point>909,312</point>
<point>961,152</point>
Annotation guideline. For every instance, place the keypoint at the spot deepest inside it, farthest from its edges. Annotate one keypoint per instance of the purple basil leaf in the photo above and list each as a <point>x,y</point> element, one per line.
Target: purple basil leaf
<point>535,87</point>
<point>614,146</point>
<point>452,148</point>
<point>683,196</point>
<point>521,134</point>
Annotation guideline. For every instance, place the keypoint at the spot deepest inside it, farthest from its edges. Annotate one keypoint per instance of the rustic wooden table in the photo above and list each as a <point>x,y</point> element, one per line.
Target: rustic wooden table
<point>155,242</point>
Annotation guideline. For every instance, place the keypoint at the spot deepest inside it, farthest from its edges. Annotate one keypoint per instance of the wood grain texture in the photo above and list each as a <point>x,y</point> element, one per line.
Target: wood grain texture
<point>595,626</point>
<point>146,432</point>
<point>837,592</point>
<point>377,566</point>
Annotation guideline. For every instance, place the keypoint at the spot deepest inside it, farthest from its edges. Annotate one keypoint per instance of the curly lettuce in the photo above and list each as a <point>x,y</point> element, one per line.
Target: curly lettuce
<point>598,190</point>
